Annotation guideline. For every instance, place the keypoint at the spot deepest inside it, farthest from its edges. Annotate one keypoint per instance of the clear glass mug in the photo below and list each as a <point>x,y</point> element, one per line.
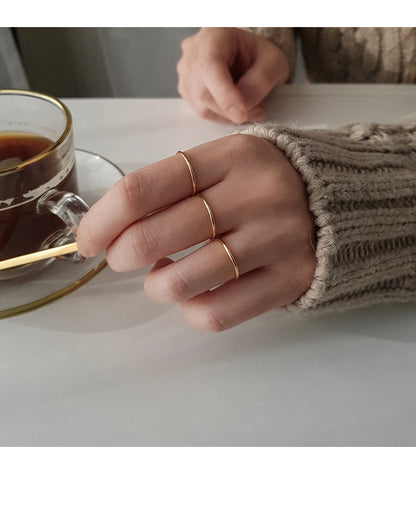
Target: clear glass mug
<point>39,202</point>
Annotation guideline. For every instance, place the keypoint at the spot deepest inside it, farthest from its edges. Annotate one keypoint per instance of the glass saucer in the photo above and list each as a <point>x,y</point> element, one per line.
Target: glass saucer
<point>95,176</point>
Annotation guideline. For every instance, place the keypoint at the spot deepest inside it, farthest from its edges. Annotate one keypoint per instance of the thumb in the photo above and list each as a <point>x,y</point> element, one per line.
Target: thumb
<point>226,94</point>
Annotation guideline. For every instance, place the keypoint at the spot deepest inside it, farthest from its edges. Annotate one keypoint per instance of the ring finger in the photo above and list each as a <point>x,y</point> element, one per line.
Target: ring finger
<point>210,266</point>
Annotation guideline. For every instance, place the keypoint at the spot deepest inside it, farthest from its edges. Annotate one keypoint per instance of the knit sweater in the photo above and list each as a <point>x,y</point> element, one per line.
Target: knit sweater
<point>350,54</point>
<point>361,186</point>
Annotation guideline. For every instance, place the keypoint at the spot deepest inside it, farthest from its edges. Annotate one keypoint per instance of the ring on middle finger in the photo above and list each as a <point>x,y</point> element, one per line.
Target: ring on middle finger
<point>211,216</point>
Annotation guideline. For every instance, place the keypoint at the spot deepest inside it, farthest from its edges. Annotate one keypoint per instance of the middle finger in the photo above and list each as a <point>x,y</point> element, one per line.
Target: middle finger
<point>181,226</point>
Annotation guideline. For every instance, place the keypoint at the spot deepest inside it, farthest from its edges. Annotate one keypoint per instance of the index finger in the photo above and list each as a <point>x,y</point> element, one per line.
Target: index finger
<point>220,84</point>
<point>147,190</point>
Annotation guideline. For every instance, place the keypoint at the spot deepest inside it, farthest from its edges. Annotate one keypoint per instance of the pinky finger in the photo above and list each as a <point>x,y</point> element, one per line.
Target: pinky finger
<point>235,302</point>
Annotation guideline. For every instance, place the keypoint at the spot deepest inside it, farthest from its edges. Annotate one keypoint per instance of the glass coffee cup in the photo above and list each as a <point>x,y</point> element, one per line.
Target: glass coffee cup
<point>39,203</point>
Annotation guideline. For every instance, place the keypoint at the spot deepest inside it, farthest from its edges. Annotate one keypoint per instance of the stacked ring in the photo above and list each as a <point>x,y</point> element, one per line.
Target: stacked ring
<point>232,259</point>
<point>191,171</point>
<point>211,216</point>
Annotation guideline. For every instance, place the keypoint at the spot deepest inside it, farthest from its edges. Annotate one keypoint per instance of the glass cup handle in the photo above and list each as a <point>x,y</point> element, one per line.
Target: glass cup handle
<point>70,208</point>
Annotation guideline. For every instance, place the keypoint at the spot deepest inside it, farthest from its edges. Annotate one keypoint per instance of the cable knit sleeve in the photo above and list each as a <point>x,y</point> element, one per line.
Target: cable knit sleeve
<point>361,54</point>
<point>361,184</point>
<point>284,38</point>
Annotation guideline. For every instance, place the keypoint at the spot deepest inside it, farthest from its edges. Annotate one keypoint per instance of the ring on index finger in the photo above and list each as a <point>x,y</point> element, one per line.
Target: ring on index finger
<point>190,169</point>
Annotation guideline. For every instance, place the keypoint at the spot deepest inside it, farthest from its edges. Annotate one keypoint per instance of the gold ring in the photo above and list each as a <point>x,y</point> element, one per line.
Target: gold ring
<point>191,171</point>
<point>211,216</point>
<point>232,259</point>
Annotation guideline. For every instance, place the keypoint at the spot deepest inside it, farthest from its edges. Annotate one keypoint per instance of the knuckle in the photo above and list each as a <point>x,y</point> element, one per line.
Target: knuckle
<point>188,42</point>
<point>210,319</point>
<point>179,66</point>
<point>134,249</point>
<point>176,287</point>
<point>132,189</point>
<point>244,144</point>
<point>144,243</point>
<point>215,322</point>
<point>207,60</point>
<point>203,95</point>
<point>128,189</point>
<point>252,155</point>
<point>184,44</point>
<point>267,77</point>
<point>244,149</point>
<point>203,316</point>
<point>184,67</point>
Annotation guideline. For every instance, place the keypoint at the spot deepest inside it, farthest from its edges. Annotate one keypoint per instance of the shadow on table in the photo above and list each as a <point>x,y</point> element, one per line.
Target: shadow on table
<point>111,301</point>
<point>117,301</point>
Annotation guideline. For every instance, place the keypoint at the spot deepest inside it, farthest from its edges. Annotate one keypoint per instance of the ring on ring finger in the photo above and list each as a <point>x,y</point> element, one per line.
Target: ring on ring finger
<point>231,257</point>
<point>205,269</point>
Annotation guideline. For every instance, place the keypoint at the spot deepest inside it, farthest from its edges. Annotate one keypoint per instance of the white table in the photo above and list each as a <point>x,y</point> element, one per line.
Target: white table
<point>106,366</point>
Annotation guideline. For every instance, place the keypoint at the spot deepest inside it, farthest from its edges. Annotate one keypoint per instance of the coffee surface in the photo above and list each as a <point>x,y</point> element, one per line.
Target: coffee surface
<point>22,229</point>
<point>15,148</point>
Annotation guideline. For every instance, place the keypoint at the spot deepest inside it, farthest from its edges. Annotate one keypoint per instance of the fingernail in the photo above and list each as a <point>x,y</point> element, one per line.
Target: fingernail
<point>236,115</point>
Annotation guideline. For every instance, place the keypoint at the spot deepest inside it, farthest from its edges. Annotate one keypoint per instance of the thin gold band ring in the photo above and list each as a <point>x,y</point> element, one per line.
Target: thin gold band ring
<point>211,216</point>
<point>191,170</point>
<point>232,259</point>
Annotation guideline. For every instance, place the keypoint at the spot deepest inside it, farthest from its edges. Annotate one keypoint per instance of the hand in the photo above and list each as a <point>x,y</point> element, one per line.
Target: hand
<point>261,213</point>
<point>225,73</point>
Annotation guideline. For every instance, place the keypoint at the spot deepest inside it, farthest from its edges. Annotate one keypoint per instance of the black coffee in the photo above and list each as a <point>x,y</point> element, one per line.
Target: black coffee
<point>15,148</point>
<point>22,230</point>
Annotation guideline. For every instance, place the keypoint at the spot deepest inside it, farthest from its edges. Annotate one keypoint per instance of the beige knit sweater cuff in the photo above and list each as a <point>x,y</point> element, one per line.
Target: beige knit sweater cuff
<point>361,184</point>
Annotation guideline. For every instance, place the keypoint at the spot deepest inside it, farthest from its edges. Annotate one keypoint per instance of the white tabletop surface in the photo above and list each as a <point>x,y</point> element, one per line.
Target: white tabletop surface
<point>107,366</point>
